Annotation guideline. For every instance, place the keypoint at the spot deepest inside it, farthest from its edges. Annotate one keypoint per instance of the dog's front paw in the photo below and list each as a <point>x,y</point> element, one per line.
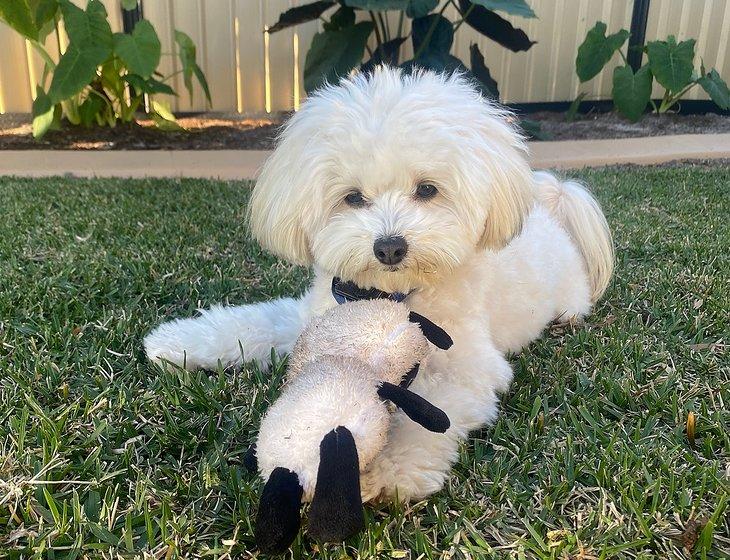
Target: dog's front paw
<point>170,342</point>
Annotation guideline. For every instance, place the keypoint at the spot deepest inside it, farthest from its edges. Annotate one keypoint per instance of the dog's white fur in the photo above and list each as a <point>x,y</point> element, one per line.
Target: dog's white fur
<point>495,256</point>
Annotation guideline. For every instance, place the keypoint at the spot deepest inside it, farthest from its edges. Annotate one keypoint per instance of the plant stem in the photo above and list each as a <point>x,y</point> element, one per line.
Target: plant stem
<point>464,15</point>
<point>663,106</point>
<point>386,25</point>
<point>40,49</point>
<point>378,36</point>
<point>165,78</point>
<point>671,100</point>
<point>623,56</point>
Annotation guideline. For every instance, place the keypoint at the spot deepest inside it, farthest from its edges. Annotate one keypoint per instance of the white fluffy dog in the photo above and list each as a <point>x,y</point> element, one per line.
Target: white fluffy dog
<point>414,184</point>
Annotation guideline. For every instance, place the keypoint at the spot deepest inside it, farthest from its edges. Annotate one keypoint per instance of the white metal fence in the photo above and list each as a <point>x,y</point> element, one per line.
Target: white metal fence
<point>250,71</point>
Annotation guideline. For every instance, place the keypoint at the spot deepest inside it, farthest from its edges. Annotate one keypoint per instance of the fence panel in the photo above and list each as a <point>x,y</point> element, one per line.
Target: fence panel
<point>16,92</point>
<point>708,22</point>
<point>250,71</point>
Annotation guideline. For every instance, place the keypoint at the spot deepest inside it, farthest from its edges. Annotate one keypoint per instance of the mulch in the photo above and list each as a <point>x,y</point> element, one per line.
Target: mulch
<point>612,125</point>
<point>202,132</point>
<point>227,131</point>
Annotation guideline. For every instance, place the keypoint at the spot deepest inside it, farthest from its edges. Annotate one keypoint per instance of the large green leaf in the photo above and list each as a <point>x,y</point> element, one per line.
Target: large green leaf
<point>44,13</point>
<point>343,17</point>
<point>716,88</point>
<point>88,29</point>
<point>31,18</point>
<point>431,34</point>
<point>149,85</point>
<point>19,15</point>
<point>492,25</point>
<point>334,53</point>
<point>90,109</point>
<point>440,62</point>
<point>42,113</point>
<point>378,5</point>
<point>631,92</point>
<point>301,14</point>
<point>413,8</point>
<point>672,63</point>
<point>597,50</point>
<point>200,76</point>
<point>140,50</point>
<point>186,51</point>
<point>514,7</point>
<point>90,44</point>
<point>387,53</point>
<point>163,117</point>
<point>75,70</point>
<point>420,8</point>
<point>481,72</point>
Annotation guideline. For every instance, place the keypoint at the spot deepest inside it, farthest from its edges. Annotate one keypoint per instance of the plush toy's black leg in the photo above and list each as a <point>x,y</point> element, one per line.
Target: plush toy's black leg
<point>435,334</point>
<point>278,520</point>
<point>416,407</point>
<point>250,461</point>
<point>337,506</point>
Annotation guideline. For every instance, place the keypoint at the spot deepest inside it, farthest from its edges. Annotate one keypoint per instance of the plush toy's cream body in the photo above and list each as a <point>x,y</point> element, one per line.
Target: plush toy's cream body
<point>332,417</point>
<point>378,333</point>
<point>328,393</point>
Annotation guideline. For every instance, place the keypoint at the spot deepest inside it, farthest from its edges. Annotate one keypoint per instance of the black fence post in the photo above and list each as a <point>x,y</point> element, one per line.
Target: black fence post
<point>639,18</point>
<point>131,17</point>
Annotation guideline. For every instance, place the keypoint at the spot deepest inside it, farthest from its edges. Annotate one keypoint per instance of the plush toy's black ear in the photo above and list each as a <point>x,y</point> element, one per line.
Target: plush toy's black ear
<point>336,511</point>
<point>416,407</point>
<point>278,520</point>
<point>435,334</point>
<point>250,461</point>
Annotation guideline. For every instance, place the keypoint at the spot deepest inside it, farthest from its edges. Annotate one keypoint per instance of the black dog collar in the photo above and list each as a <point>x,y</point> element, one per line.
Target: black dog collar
<point>349,291</point>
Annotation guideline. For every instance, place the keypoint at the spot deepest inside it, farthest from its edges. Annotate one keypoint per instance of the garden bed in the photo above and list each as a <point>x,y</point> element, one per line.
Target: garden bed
<point>225,131</point>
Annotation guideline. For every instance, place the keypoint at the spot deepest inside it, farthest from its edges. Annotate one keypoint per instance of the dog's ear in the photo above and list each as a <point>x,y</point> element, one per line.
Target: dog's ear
<point>509,188</point>
<point>286,200</point>
<point>511,198</point>
<point>278,520</point>
<point>336,511</point>
<point>415,407</point>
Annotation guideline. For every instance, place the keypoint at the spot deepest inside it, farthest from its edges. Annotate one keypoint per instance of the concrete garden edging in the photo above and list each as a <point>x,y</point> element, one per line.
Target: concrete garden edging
<point>244,164</point>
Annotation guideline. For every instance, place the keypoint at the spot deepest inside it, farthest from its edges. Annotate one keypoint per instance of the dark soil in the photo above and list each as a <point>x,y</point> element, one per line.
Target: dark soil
<point>232,132</point>
<point>202,132</point>
<point>611,125</point>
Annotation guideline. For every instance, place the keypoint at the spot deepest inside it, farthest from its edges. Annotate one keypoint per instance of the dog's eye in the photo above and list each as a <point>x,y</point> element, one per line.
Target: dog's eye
<point>355,199</point>
<point>425,191</point>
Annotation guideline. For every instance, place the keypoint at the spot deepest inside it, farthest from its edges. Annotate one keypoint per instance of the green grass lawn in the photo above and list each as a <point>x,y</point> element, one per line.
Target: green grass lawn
<point>105,456</point>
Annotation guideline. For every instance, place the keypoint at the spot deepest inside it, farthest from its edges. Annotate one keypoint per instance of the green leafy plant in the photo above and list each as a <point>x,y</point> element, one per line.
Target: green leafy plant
<point>345,38</point>
<point>102,77</point>
<point>669,62</point>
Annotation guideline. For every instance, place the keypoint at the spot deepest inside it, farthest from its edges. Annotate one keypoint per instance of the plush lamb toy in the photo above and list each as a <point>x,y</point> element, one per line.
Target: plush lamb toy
<point>332,418</point>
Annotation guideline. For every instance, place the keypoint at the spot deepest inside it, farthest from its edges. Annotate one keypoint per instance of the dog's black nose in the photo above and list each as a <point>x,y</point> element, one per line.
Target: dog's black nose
<point>390,250</point>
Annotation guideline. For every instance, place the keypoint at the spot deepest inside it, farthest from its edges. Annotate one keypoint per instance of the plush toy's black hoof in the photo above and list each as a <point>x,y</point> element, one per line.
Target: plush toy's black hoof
<point>336,512</point>
<point>278,520</point>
